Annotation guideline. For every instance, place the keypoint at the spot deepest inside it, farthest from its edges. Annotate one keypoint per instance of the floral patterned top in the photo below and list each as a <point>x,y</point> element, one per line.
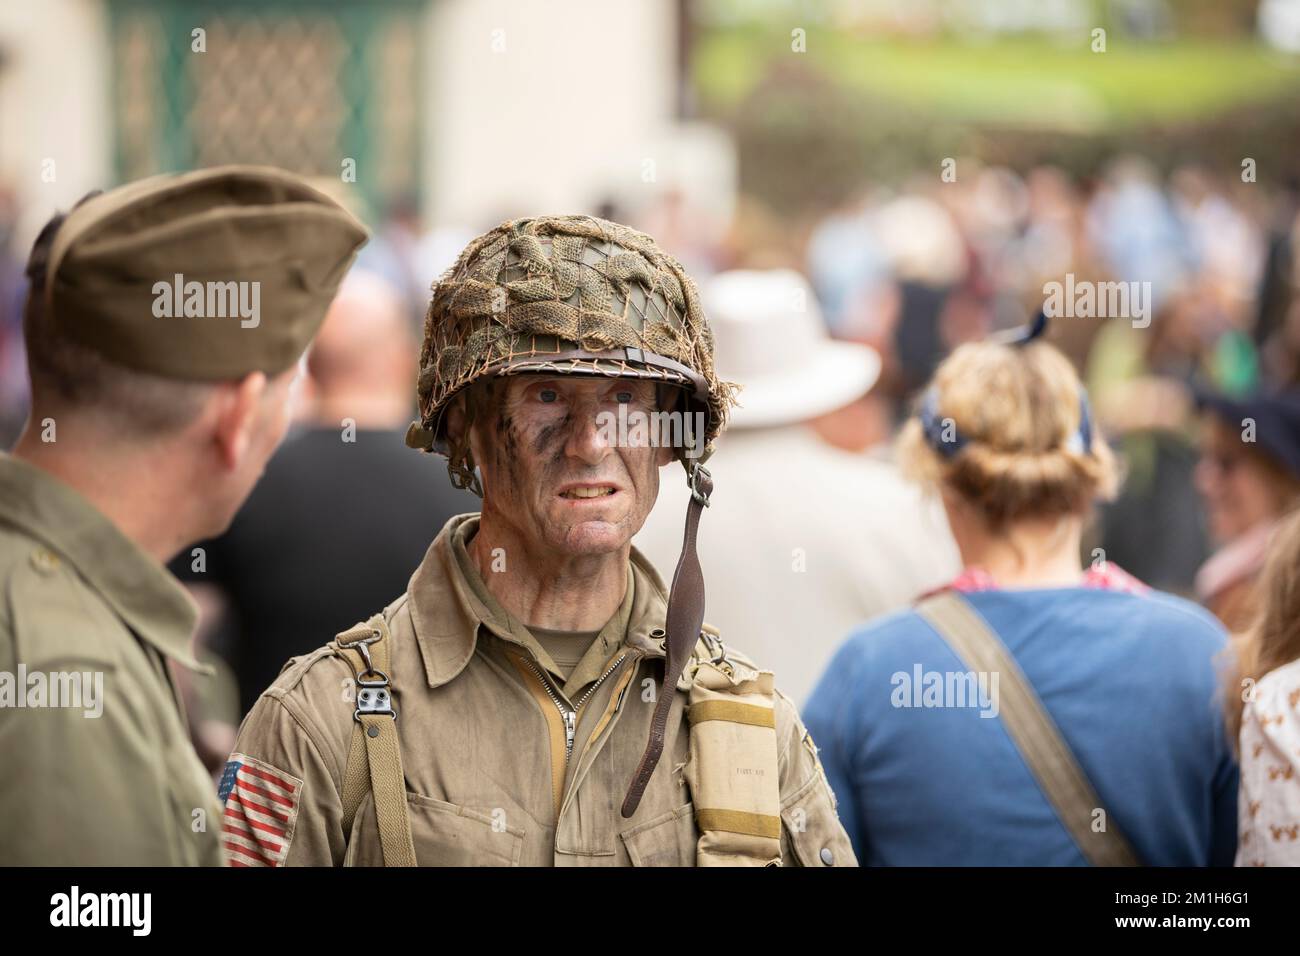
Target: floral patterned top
<point>1269,808</point>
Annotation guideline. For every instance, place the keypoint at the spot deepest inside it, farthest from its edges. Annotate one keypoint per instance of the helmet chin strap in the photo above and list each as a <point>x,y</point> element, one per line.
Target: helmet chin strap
<point>684,619</point>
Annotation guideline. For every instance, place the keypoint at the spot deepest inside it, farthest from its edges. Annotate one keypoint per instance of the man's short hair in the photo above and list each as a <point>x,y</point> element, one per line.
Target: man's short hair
<point>68,376</point>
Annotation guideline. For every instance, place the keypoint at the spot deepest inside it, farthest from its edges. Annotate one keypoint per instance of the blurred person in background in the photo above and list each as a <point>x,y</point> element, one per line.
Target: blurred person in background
<point>13,289</point>
<point>849,270</point>
<point>1053,243</point>
<point>757,238</point>
<point>1141,380</point>
<point>851,277</point>
<point>1277,316</point>
<point>1282,352</point>
<point>901,278</point>
<point>1263,705</point>
<point>1249,479</point>
<point>1132,225</point>
<point>392,254</point>
<point>1228,248</point>
<point>1005,435</point>
<point>342,515</point>
<point>808,539</point>
<point>928,258</point>
<point>681,226</point>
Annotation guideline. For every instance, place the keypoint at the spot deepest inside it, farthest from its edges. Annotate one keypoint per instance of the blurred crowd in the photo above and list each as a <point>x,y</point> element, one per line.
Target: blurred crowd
<point>1197,390</point>
<point>916,271</point>
<point>913,271</point>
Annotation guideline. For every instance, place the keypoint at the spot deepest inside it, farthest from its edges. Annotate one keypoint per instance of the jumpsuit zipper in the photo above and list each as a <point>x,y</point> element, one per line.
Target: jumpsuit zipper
<point>570,716</point>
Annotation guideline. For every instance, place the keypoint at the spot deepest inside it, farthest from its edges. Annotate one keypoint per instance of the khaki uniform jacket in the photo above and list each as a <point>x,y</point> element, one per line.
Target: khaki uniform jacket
<point>491,775</point>
<point>79,599</point>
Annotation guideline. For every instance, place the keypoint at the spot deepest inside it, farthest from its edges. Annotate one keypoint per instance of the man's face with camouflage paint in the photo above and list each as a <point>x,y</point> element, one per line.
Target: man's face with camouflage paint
<point>551,471</point>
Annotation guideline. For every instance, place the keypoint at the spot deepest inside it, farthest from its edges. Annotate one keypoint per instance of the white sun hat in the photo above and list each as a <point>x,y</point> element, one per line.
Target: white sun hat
<point>770,338</point>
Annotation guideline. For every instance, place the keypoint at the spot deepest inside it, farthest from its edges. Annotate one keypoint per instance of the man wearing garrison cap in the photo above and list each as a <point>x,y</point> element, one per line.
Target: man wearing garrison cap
<point>164,324</point>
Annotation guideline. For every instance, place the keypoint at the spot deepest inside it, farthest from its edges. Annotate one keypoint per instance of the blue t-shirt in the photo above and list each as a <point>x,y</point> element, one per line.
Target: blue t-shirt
<point>1131,682</point>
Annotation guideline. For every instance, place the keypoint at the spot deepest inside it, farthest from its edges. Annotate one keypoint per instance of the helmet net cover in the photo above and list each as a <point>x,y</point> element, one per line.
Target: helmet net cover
<point>557,295</point>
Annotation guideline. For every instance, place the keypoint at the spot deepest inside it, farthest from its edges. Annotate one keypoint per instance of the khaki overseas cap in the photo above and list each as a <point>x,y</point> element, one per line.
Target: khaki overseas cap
<point>202,276</point>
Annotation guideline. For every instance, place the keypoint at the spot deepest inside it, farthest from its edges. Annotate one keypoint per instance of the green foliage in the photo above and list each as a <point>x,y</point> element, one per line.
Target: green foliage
<point>1035,81</point>
<point>813,126</point>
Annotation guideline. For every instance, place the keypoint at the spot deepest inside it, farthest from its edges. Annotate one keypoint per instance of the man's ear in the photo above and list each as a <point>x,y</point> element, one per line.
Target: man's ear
<point>236,417</point>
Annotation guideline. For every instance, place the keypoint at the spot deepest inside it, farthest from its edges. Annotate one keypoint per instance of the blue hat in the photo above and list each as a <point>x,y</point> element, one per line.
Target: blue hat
<point>1276,416</point>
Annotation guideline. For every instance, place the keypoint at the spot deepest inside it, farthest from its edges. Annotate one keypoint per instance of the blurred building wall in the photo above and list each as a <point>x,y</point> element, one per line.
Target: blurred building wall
<point>524,107</point>
<point>558,119</point>
<point>53,106</point>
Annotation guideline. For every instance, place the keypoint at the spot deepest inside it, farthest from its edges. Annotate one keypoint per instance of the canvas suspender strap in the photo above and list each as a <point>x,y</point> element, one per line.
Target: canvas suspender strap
<point>375,758</point>
<point>1031,729</point>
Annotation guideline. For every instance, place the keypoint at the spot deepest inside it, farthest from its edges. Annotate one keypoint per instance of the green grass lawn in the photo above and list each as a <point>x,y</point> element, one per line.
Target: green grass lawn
<point>1024,81</point>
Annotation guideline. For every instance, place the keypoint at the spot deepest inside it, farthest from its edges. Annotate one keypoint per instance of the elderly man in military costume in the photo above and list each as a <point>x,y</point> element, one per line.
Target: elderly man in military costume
<point>149,426</point>
<point>536,697</point>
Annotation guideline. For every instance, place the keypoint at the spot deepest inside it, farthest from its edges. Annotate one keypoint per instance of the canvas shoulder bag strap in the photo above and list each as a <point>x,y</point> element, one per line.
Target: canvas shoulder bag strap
<point>1031,728</point>
<point>375,758</point>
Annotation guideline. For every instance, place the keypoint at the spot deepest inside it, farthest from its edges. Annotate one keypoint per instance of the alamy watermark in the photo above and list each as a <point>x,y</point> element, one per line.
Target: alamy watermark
<point>208,300</point>
<point>923,688</point>
<point>130,910</point>
<point>71,689</point>
<point>1084,299</point>
<point>633,428</point>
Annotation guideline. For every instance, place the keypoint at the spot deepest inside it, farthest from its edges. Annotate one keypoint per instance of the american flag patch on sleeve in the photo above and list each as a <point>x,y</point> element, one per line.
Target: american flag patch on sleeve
<point>261,805</point>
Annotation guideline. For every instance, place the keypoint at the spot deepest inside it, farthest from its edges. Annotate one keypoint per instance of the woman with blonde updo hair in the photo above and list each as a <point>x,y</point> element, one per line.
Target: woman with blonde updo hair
<point>1001,442</point>
<point>915,743</point>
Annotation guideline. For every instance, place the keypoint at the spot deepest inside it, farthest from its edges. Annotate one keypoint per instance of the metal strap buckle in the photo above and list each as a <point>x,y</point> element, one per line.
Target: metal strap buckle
<point>698,495</point>
<point>373,693</point>
<point>373,696</point>
<point>715,646</point>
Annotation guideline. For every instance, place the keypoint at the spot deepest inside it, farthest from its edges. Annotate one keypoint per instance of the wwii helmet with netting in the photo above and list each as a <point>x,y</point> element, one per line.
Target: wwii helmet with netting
<point>564,295</point>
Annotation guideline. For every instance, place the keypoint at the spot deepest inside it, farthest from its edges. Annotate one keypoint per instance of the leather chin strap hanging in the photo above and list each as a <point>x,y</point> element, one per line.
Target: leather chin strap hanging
<point>685,617</point>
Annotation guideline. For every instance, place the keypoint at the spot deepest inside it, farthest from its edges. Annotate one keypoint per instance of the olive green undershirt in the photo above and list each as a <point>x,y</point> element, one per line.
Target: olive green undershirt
<point>566,648</point>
